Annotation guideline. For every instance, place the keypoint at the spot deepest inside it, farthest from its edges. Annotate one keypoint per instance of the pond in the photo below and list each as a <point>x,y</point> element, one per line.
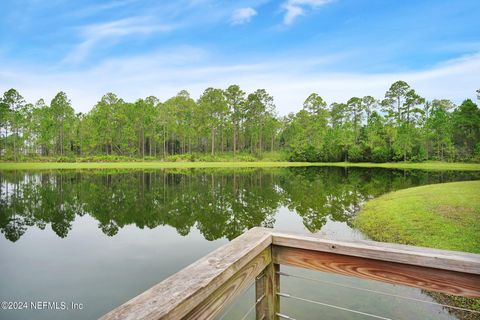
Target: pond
<point>98,238</point>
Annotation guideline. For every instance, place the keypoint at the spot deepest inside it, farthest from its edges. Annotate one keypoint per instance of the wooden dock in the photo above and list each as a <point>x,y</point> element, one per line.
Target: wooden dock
<point>203,289</point>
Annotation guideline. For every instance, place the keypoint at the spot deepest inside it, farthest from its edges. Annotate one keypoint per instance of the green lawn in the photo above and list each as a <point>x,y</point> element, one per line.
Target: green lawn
<point>260,164</point>
<point>443,216</point>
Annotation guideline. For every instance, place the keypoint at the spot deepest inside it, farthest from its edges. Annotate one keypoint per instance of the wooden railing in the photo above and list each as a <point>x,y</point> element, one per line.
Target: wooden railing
<point>203,289</point>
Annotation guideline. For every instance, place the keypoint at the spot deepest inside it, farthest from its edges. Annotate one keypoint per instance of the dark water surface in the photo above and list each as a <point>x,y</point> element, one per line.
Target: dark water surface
<point>98,238</point>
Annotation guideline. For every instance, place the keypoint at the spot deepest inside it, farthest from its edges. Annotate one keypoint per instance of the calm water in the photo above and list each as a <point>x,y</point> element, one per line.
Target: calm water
<point>98,238</point>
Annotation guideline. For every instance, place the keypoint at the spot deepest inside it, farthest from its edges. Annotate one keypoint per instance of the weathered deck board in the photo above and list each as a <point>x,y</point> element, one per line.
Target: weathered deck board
<point>235,286</point>
<point>179,294</point>
<point>418,256</point>
<point>452,282</point>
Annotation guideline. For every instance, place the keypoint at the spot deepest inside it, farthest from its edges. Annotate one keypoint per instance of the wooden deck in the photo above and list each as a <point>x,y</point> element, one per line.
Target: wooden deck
<point>203,289</point>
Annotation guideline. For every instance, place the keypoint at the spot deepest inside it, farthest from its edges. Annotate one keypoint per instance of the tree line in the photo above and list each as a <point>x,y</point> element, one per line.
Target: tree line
<point>400,126</point>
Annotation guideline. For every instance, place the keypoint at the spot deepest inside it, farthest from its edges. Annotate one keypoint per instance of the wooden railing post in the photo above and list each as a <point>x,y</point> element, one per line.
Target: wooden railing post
<point>276,290</point>
<point>267,286</point>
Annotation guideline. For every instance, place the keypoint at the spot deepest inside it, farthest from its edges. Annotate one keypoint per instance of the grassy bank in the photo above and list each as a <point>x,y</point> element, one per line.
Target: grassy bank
<point>443,216</point>
<point>229,164</point>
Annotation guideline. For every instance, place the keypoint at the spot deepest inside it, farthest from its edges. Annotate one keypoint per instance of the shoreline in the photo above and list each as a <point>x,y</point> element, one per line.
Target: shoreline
<point>257,164</point>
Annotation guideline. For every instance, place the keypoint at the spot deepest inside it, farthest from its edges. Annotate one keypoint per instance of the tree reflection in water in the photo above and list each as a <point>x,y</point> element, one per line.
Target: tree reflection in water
<point>219,203</point>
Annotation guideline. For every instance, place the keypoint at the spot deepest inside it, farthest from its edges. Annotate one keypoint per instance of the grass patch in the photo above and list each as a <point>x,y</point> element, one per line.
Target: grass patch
<point>230,164</point>
<point>443,216</point>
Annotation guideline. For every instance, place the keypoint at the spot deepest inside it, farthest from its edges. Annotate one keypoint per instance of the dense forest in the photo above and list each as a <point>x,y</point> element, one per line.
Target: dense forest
<point>402,126</point>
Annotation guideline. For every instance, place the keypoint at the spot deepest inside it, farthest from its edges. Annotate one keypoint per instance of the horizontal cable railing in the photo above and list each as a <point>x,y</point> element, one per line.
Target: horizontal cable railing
<point>290,296</point>
<point>226,313</point>
<point>378,292</point>
<point>284,316</point>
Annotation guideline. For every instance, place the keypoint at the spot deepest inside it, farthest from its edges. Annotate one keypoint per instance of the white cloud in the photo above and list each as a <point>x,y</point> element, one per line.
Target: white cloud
<point>97,34</point>
<point>290,81</point>
<point>295,8</point>
<point>243,15</point>
<point>97,8</point>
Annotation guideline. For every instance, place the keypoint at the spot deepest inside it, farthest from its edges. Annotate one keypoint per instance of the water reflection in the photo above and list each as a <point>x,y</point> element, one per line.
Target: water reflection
<point>219,203</point>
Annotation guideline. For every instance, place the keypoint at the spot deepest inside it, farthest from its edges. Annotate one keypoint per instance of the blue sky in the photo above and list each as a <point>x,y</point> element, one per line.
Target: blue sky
<point>337,48</point>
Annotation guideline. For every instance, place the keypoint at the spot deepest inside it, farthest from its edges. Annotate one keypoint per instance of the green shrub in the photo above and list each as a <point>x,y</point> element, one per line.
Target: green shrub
<point>246,158</point>
<point>149,158</point>
<point>274,156</point>
<point>355,153</point>
<point>65,159</point>
<point>180,158</point>
<point>380,154</point>
<point>305,154</point>
<point>419,154</point>
<point>207,158</point>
